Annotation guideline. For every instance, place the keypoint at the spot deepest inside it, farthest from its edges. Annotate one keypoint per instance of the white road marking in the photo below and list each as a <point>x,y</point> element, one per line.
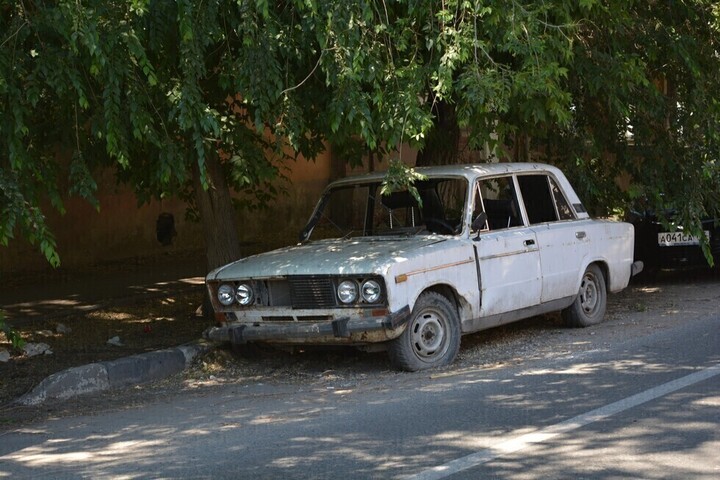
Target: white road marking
<point>545,434</point>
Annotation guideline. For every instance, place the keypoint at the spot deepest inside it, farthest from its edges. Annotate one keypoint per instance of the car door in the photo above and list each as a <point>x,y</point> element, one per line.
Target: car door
<point>506,250</point>
<point>563,241</point>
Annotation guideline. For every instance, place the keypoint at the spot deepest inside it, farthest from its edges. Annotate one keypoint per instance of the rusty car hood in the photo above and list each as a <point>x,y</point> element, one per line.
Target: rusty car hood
<point>328,257</point>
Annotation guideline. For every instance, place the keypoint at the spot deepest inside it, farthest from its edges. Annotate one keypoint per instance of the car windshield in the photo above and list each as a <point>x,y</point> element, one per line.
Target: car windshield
<point>360,210</point>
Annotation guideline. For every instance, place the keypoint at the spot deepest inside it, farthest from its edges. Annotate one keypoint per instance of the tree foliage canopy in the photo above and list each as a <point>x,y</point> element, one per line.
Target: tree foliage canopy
<point>158,88</point>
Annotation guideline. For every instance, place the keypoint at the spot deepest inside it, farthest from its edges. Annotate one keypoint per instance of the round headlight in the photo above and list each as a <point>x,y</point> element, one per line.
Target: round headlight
<point>226,294</point>
<point>347,291</point>
<point>244,294</point>
<point>371,291</point>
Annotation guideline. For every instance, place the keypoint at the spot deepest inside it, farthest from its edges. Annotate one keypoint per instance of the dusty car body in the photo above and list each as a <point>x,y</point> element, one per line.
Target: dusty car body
<point>477,246</point>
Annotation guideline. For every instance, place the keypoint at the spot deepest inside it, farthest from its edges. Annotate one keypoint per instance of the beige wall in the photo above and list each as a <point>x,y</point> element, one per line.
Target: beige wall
<point>121,229</point>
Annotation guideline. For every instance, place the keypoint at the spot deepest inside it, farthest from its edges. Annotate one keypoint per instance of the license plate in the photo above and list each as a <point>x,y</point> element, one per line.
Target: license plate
<point>675,239</point>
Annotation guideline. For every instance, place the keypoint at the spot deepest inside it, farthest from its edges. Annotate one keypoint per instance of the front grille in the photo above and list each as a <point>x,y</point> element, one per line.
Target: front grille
<point>279,293</point>
<point>308,291</point>
<point>303,292</point>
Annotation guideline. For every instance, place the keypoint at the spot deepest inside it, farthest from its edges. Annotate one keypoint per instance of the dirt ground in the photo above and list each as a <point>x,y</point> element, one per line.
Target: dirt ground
<point>141,325</point>
<point>646,305</point>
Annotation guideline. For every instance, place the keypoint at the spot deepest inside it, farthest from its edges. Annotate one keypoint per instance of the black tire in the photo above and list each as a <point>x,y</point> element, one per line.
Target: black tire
<point>715,248</point>
<point>590,304</point>
<point>432,336</point>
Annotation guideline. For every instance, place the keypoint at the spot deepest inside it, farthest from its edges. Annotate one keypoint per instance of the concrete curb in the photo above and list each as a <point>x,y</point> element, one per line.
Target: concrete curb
<point>123,372</point>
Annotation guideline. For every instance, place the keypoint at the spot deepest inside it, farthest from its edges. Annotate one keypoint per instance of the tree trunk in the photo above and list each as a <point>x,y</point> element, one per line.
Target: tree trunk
<point>442,143</point>
<point>337,164</point>
<point>222,243</point>
<point>521,150</point>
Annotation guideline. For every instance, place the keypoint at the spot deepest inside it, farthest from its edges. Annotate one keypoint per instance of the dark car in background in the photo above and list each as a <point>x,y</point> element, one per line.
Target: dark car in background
<point>658,246</point>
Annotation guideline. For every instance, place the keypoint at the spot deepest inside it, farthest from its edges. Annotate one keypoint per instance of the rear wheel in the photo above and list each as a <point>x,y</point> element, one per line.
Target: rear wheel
<point>589,306</point>
<point>715,250</point>
<point>432,336</point>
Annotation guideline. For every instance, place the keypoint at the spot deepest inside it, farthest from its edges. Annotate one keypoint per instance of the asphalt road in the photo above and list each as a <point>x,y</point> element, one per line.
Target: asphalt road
<point>646,407</point>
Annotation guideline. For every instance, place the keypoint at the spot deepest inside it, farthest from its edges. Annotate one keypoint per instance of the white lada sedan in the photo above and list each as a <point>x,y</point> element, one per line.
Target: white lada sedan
<point>473,247</point>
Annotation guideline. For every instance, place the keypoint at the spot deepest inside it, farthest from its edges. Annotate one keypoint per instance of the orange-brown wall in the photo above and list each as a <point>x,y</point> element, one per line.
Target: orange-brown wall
<point>121,229</point>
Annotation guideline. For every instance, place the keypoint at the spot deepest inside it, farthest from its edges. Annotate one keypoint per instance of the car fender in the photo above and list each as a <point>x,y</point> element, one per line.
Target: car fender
<point>451,271</point>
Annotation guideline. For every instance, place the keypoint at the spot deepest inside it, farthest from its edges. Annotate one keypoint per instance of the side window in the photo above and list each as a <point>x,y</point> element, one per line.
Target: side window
<point>544,201</point>
<point>563,207</point>
<point>538,199</point>
<point>496,197</point>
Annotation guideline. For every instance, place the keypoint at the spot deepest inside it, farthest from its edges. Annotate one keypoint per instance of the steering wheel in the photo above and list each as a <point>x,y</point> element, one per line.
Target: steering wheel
<point>438,225</point>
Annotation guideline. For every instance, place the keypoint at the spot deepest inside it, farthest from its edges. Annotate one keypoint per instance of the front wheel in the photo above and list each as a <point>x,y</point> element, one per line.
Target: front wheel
<point>432,336</point>
<point>589,306</point>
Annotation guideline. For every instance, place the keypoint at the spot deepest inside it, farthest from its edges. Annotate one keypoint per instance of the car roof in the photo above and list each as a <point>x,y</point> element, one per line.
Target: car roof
<point>469,171</point>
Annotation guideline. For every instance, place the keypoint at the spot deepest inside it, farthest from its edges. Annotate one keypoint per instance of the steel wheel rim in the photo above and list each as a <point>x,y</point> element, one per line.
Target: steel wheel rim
<point>429,334</point>
<point>589,297</point>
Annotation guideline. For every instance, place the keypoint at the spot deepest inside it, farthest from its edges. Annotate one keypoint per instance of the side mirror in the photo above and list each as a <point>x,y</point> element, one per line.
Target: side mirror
<point>479,221</point>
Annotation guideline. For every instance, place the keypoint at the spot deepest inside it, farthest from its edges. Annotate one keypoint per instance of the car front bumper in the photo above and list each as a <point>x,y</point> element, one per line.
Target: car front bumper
<point>344,330</point>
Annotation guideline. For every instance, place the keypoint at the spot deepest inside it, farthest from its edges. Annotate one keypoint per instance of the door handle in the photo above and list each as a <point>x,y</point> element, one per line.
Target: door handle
<point>529,242</point>
<point>580,235</point>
